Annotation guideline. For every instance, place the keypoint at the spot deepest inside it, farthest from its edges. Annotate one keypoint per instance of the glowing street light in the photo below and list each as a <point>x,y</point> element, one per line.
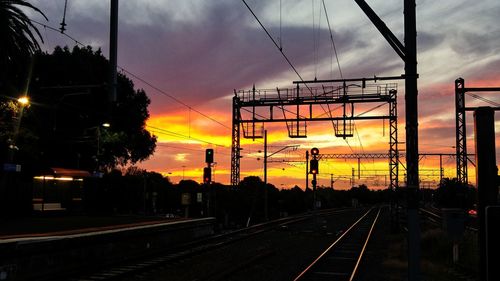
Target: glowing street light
<point>24,100</point>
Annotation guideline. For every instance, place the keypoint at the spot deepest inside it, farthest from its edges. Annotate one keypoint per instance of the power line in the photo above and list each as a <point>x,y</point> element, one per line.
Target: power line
<point>284,55</point>
<point>183,136</point>
<point>58,31</point>
<point>172,97</point>
<point>276,44</point>
<point>333,42</point>
<point>177,147</point>
<point>186,148</point>
<point>484,99</point>
<point>138,78</point>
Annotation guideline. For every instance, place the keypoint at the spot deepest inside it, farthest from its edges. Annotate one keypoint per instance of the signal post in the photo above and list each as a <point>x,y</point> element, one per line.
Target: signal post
<point>207,176</point>
<point>314,170</point>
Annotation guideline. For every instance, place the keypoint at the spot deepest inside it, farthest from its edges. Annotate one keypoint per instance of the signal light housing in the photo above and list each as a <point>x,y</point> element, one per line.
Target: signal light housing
<point>209,156</point>
<point>314,167</point>
<point>207,175</point>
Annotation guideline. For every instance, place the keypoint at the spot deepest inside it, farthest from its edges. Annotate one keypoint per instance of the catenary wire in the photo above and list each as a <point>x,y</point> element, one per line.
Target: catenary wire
<point>139,78</point>
<point>333,42</point>
<point>183,136</point>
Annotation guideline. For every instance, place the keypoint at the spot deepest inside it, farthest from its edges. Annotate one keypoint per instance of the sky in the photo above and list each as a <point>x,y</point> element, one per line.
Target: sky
<point>190,55</point>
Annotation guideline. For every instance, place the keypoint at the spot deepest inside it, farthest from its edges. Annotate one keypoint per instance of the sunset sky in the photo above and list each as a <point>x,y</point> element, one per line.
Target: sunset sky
<point>200,51</point>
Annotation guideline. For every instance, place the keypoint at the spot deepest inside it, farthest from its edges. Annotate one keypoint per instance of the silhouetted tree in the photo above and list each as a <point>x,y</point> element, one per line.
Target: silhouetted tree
<point>18,42</point>
<point>17,35</point>
<point>293,200</point>
<point>453,194</point>
<point>361,193</point>
<point>70,103</point>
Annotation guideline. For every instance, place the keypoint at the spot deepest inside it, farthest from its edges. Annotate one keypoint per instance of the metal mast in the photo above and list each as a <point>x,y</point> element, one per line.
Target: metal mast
<point>461,141</point>
<point>408,53</point>
<point>235,146</point>
<point>298,107</point>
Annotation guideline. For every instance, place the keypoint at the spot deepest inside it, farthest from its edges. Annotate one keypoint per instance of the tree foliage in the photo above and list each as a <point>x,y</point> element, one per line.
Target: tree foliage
<point>453,194</point>
<point>70,102</point>
<point>18,42</point>
<point>17,32</point>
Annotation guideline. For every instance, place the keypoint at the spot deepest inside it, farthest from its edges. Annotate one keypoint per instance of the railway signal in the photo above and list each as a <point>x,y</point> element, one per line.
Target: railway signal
<point>207,175</point>
<point>314,167</point>
<point>314,164</point>
<point>314,170</point>
<point>209,156</point>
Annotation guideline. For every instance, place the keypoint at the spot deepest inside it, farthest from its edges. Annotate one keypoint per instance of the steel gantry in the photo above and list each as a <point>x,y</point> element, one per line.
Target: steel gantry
<point>461,136</point>
<point>394,173</point>
<point>297,106</point>
<point>393,157</point>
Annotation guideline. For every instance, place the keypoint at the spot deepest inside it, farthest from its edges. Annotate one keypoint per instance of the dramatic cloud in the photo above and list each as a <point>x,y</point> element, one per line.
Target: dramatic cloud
<point>198,52</point>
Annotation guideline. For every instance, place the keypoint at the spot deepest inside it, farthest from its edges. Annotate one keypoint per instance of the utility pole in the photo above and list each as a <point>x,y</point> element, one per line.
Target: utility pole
<point>359,168</point>
<point>352,178</point>
<point>266,156</point>
<point>411,106</point>
<point>307,169</point>
<point>266,199</point>
<point>440,168</point>
<point>487,186</point>
<point>113,50</point>
<point>408,53</point>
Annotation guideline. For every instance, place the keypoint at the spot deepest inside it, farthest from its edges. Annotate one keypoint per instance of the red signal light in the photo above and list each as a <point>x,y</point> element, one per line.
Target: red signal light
<point>314,166</point>
<point>207,175</point>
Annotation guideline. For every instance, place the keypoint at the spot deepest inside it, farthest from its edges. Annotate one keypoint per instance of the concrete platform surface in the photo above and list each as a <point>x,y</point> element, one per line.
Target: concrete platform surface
<point>67,225</point>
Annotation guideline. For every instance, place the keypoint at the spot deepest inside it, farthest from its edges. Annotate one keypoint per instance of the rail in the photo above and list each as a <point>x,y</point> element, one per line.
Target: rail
<point>357,236</point>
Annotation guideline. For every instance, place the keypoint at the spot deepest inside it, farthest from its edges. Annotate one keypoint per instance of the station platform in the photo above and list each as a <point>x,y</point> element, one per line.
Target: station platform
<point>42,248</point>
<point>10,229</point>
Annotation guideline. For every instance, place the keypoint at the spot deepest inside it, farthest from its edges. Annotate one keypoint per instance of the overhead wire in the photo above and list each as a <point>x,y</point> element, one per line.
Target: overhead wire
<point>173,98</point>
<point>286,57</point>
<point>484,99</point>
<point>281,38</point>
<point>138,77</point>
<point>331,38</point>
<point>338,65</point>
<point>161,130</point>
<point>277,46</point>
<point>189,149</point>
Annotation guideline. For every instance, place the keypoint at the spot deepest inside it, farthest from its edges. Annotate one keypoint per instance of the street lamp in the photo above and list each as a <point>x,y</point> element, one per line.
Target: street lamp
<point>23,102</point>
<point>266,156</point>
<point>98,139</point>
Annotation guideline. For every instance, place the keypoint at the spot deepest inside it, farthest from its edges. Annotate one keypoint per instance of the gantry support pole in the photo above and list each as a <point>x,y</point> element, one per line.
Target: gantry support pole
<point>113,50</point>
<point>461,125</point>
<point>266,195</point>
<point>411,106</point>
<point>235,146</point>
<point>487,185</point>
<point>307,169</point>
<point>393,141</point>
<point>408,53</point>
<point>461,141</point>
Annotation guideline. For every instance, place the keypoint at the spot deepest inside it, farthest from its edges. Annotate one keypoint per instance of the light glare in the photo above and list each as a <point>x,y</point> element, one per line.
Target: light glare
<point>23,100</point>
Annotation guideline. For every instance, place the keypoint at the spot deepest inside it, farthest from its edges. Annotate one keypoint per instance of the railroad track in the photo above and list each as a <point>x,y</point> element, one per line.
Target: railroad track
<point>140,268</point>
<point>437,219</point>
<point>341,260</point>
